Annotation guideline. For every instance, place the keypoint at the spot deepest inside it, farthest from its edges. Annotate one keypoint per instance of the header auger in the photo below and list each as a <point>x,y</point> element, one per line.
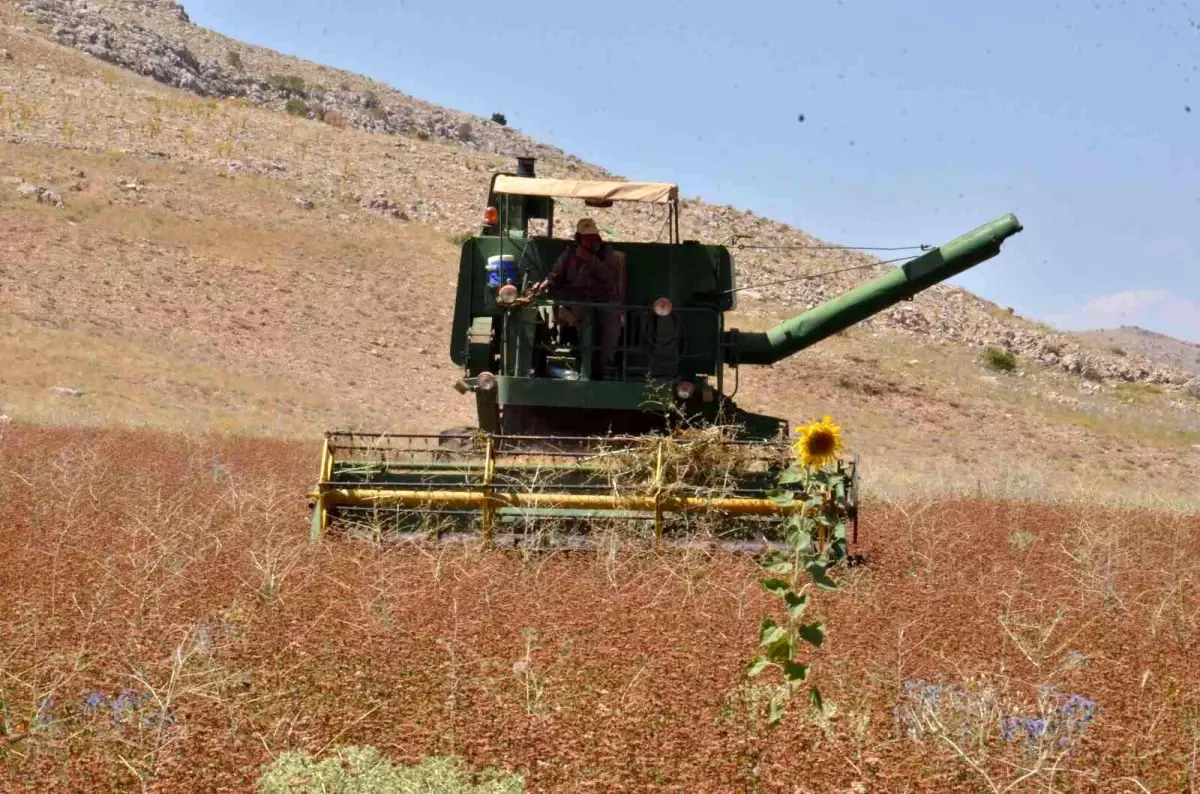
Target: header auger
<point>579,421</point>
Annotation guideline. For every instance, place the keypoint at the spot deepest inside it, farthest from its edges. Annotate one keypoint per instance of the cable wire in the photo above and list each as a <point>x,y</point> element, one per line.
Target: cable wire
<point>809,276</point>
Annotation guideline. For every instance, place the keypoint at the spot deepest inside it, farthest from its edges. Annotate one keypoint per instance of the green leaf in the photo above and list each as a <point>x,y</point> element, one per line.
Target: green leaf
<point>780,567</point>
<point>839,530</point>
<point>813,634</point>
<point>769,633</point>
<point>795,671</point>
<point>792,475</point>
<point>816,572</point>
<point>759,664</point>
<point>778,701</point>
<point>781,497</point>
<point>776,586</point>
<point>799,538</point>
<point>781,648</point>
<point>796,604</point>
<point>814,696</point>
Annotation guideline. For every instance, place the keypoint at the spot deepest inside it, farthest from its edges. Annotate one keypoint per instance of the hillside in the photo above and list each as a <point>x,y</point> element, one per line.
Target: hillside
<point>187,253</point>
<point>1166,350</point>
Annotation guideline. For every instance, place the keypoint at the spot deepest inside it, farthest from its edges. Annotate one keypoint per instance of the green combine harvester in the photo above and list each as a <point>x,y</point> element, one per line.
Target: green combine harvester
<point>567,436</point>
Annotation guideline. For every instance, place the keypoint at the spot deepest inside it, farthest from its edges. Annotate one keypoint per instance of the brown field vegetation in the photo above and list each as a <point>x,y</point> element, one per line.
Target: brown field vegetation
<point>175,571</point>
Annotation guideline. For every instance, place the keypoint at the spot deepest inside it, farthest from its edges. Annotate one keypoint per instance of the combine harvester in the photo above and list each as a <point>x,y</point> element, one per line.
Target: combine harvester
<point>658,440</point>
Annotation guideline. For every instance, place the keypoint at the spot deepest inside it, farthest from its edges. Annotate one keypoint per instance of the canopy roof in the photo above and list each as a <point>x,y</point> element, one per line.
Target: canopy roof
<point>647,192</point>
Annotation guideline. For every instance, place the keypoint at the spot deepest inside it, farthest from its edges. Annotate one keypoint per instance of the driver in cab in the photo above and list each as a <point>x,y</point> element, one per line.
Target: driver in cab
<point>586,273</point>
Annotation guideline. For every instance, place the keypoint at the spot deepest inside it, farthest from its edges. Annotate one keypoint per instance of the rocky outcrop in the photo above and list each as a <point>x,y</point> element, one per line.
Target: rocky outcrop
<point>42,195</point>
<point>170,60</point>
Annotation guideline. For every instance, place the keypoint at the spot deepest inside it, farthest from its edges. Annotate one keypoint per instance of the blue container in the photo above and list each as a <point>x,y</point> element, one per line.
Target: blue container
<point>501,270</point>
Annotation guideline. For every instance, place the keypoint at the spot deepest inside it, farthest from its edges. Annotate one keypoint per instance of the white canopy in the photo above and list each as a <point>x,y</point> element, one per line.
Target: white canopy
<point>646,192</point>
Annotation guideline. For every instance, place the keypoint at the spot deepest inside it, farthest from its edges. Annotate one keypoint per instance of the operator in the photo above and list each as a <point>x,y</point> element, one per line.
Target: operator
<point>586,272</point>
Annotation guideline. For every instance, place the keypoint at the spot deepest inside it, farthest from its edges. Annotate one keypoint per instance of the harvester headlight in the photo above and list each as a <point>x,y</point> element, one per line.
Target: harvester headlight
<point>685,389</point>
<point>663,307</point>
<point>486,381</point>
<point>507,295</point>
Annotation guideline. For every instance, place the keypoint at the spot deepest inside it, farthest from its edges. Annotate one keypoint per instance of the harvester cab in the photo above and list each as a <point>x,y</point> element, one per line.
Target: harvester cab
<point>653,433</point>
<point>534,374</point>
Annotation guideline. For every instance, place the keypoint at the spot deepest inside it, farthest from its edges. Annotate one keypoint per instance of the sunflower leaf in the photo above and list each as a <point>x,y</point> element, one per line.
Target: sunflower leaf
<point>793,475</point>
<point>813,634</point>
<point>759,664</point>
<point>776,586</point>
<point>781,497</point>
<point>815,698</point>
<point>816,572</point>
<point>782,648</point>
<point>800,538</point>
<point>795,672</point>
<point>769,633</point>
<point>796,604</point>
<point>775,711</point>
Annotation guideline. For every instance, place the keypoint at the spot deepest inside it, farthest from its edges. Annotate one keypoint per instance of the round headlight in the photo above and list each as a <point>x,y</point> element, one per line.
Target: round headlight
<point>507,295</point>
<point>486,381</point>
<point>663,307</point>
<point>684,390</point>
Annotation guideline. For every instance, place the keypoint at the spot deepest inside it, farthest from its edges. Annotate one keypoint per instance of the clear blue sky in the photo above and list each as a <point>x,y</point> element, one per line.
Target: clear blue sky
<point>922,119</point>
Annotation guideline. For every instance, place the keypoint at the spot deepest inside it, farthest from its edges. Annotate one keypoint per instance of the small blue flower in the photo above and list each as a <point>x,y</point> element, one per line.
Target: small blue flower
<point>44,715</point>
<point>93,702</point>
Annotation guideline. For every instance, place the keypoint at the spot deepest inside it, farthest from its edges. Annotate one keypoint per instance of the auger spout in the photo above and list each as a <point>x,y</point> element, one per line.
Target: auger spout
<point>865,300</point>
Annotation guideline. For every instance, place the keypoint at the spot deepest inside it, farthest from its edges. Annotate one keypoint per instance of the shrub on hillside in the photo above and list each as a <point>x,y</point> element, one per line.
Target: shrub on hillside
<point>288,82</point>
<point>370,100</point>
<point>465,132</point>
<point>297,107</point>
<point>234,59</point>
<point>999,360</point>
<point>500,119</point>
<point>378,113</point>
<point>364,770</point>
<point>334,119</point>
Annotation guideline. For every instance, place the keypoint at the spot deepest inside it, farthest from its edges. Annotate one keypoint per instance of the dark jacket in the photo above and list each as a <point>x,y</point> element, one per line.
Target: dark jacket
<point>580,275</point>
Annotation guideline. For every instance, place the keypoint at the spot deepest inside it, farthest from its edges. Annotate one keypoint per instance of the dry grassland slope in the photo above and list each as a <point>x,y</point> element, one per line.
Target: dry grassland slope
<point>186,253</point>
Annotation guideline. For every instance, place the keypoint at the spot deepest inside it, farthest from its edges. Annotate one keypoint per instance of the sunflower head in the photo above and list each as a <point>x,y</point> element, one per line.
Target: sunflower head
<point>819,443</point>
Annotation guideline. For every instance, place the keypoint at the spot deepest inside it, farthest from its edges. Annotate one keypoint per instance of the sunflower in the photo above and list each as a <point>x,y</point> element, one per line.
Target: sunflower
<point>819,443</point>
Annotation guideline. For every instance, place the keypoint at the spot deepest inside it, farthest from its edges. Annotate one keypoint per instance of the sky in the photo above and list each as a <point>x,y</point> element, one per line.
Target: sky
<point>863,123</point>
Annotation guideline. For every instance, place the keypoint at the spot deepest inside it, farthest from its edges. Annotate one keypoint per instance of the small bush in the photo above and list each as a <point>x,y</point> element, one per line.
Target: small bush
<point>423,135</point>
<point>500,119</point>
<point>378,113</point>
<point>465,132</point>
<point>297,107</point>
<point>1117,351</point>
<point>370,100</point>
<point>458,238</point>
<point>1135,392</point>
<point>334,119</point>
<point>364,770</point>
<point>288,82</point>
<point>234,59</point>
<point>999,360</point>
